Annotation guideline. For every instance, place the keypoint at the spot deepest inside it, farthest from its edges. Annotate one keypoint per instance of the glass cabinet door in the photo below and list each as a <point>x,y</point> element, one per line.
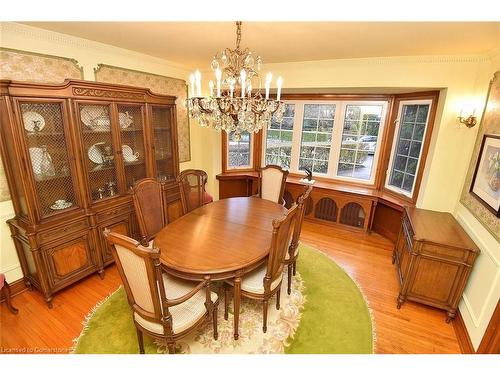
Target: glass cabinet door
<point>162,138</point>
<point>130,119</point>
<point>47,146</point>
<point>98,150</point>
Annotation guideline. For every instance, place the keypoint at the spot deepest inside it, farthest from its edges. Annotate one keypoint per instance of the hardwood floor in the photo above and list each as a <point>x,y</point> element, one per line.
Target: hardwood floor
<point>367,258</point>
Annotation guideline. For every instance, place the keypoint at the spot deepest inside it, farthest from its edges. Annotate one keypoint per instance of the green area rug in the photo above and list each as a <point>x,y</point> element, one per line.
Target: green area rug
<point>326,313</point>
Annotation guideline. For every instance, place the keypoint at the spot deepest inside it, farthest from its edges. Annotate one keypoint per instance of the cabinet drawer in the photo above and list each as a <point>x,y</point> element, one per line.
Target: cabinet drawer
<point>114,212</point>
<point>64,229</point>
<point>70,261</point>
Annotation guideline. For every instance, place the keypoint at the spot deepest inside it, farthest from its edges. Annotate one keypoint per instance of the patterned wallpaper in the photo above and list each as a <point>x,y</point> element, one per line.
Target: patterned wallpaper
<point>34,67</point>
<point>490,124</point>
<point>159,85</point>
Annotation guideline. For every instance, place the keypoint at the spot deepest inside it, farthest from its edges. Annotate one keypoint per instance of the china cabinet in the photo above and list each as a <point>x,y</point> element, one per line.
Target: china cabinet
<point>71,152</point>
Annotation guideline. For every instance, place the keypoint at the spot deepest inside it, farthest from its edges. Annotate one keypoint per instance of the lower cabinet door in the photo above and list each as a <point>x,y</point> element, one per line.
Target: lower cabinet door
<point>123,226</point>
<point>69,261</point>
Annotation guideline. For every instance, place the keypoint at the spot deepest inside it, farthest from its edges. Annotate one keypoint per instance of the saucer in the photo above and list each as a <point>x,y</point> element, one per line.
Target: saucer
<point>61,206</point>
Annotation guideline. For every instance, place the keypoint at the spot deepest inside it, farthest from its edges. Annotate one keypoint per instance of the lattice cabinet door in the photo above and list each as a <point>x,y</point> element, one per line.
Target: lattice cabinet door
<point>48,149</point>
<point>131,122</point>
<point>98,150</point>
<point>163,139</point>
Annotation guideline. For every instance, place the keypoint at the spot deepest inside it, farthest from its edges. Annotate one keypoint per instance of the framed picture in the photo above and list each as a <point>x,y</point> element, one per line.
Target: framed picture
<point>486,182</point>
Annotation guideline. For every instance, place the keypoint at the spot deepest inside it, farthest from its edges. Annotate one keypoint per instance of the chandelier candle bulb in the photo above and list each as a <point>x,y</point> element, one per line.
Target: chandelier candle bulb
<point>218,76</point>
<point>211,87</point>
<point>279,82</point>
<point>197,76</point>
<point>191,80</point>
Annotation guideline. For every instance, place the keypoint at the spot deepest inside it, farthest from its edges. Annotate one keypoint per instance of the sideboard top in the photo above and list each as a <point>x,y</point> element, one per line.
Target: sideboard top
<point>439,227</point>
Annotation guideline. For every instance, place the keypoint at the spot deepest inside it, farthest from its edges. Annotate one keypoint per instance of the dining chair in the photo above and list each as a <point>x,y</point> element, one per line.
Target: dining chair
<point>192,184</point>
<point>272,179</point>
<point>149,208</point>
<point>293,250</point>
<point>162,306</point>
<point>265,281</point>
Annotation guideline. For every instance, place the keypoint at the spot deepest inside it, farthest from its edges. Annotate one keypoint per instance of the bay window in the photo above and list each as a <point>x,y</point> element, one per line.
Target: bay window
<point>337,139</point>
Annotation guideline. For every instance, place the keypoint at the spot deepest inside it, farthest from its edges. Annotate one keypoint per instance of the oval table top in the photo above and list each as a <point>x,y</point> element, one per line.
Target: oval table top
<point>219,238</point>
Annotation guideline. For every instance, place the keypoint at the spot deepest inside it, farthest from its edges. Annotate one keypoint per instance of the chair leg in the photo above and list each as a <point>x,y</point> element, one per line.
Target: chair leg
<point>294,267</point>
<point>226,302</point>
<point>278,295</point>
<point>6,292</point>
<point>140,340</point>
<point>264,325</point>
<point>289,274</point>
<point>214,322</point>
<point>171,347</point>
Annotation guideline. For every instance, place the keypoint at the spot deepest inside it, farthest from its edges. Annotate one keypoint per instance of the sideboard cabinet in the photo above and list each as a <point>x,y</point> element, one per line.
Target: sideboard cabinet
<point>434,258</point>
<point>71,152</point>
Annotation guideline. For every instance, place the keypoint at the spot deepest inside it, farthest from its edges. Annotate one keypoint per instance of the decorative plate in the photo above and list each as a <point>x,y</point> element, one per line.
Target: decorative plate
<point>30,119</point>
<point>61,206</point>
<point>36,159</point>
<point>125,120</point>
<point>128,154</point>
<point>95,153</point>
<point>95,117</point>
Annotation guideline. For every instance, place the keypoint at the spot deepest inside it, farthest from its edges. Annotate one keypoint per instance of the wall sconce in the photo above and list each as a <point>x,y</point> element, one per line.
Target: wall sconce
<point>470,121</point>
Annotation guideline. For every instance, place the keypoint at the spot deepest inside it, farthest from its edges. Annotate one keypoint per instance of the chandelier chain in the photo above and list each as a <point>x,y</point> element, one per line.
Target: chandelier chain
<point>238,34</point>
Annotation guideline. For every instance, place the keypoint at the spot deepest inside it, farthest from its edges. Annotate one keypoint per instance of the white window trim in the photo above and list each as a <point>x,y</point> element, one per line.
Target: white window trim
<point>236,168</point>
<point>394,144</point>
<point>340,106</point>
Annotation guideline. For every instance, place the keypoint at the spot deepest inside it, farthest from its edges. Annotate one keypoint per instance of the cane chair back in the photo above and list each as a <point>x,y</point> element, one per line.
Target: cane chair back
<point>140,271</point>
<point>282,234</point>
<point>192,187</point>
<point>301,210</point>
<point>272,179</point>
<point>149,207</point>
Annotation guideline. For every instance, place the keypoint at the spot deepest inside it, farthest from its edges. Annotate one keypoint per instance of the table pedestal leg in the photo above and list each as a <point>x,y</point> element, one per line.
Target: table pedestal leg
<point>236,307</point>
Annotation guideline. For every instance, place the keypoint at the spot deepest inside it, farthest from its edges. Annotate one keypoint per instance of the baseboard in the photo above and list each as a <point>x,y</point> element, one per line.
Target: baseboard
<point>17,287</point>
<point>463,338</point>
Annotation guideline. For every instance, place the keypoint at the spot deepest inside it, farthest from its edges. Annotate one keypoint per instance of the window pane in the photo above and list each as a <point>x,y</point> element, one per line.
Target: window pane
<point>279,139</point>
<point>408,146</point>
<point>317,128</point>
<point>239,151</point>
<point>359,140</point>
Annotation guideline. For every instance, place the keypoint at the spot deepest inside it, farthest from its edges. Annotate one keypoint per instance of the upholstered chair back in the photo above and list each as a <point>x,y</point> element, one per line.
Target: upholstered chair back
<point>192,187</point>
<point>272,181</point>
<point>301,210</point>
<point>282,235</point>
<point>149,207</point>
<point>140,271</point>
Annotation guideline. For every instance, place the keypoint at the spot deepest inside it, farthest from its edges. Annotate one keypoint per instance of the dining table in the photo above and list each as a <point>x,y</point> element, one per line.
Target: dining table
<point>218,241</point>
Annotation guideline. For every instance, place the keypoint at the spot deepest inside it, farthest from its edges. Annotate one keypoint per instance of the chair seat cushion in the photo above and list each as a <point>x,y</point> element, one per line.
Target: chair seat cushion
<point>253,282</point>
<point>184,315</point>
<point>207,198</point>
<point>2,280</point>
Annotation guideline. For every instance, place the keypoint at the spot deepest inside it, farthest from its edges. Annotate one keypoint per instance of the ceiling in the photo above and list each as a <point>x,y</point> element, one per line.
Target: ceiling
<point>194,43</point>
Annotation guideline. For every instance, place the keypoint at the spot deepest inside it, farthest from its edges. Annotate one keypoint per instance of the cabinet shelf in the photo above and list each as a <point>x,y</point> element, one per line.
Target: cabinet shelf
<point>44,134</point>
<point>132,163</point>
<point>51,178</point>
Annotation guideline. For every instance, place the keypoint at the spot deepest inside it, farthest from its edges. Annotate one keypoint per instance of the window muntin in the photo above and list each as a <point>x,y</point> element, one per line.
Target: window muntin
<point>316,137</point>
<point>239,152</point>
<point>360,139</point>
<point>279,139</point>
<point>413,118</point>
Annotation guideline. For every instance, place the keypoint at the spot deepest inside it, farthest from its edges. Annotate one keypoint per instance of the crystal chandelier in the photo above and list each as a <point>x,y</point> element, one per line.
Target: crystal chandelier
<point>232,104</point>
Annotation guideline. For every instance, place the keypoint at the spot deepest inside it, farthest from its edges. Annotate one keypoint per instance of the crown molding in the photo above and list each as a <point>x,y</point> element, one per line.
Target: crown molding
<point>36,33</point>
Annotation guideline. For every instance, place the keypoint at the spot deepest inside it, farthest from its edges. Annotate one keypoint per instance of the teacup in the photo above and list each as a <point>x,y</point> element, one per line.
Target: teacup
<point>60,202</point>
